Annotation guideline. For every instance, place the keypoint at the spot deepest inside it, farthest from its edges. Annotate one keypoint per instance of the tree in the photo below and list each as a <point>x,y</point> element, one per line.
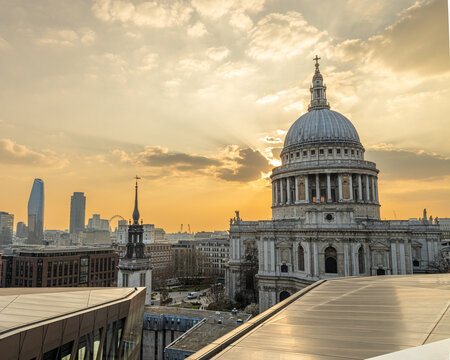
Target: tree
<point>439,264</point>
<point>165,299</point>
<point>252,309</point>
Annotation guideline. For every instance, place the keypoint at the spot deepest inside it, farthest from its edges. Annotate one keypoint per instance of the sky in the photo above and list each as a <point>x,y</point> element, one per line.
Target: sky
<point>196,97</point>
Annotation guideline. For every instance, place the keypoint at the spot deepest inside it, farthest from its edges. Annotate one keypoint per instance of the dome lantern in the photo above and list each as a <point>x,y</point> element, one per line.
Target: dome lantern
<point>318,90</point>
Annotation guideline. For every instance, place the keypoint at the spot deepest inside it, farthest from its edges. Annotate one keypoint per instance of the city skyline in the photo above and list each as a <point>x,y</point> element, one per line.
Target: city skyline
<point>196,98</point>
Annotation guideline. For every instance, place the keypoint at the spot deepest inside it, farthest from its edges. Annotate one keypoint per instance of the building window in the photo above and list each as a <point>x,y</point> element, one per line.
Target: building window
<point>361,260</point>
<point>305,153</point>
<point>330,151</point>
<point>338,151</point>
<point>142,279</point>
<point>345,151</point>
<point>298,154</point>
<point>321,152</point>
<point>125,280</point>
<point>353,152</point>
<point>313,152</point>
<point>301,258</point>
<point>284,268</point>
<point>330,260</point>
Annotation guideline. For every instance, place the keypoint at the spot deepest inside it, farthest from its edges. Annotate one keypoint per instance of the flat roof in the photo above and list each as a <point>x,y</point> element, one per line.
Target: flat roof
<point>345,318</point>
<point>205,332</point>
<point>20,307</point>
<point>196,313</point>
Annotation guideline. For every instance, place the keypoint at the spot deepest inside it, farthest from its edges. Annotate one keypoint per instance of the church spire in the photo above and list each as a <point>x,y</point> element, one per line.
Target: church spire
<point>318,90</point>
<point>136,211</point>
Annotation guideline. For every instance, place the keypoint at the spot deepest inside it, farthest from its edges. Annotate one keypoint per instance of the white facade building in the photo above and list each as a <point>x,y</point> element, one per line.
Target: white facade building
<point>122,233</point>
<point>325,216</point>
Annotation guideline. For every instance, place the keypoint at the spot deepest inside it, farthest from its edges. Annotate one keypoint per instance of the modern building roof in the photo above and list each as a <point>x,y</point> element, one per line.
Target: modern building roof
<point>321,126</point>
<point>345,318</point>
<point>23,307</point>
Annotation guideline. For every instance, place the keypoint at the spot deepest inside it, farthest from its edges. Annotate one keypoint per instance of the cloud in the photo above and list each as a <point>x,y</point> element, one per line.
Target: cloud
<point>217,53</point>
<point>272,140</point>
<point>197,30</point>
<point>417,42</point>
<point>215,9</point>
<point>289,99</point>
<point>4,44</point>
<point>231,164</point>
<point>397,163</point>
<point>161,157</point>
<point>241,21</point>
<point>67,37</point>
<point>15,154</point>
<point>156,14</point>
<point>249,166</point>
<point>189,65</point>
<point>235,69</point>
<point>279,36</point>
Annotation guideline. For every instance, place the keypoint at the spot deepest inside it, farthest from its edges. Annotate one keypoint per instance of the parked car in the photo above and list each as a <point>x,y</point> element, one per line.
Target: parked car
<point>192,295</point>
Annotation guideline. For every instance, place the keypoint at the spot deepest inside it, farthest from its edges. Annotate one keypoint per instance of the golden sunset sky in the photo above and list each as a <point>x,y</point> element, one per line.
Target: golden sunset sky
<point>196,98</point>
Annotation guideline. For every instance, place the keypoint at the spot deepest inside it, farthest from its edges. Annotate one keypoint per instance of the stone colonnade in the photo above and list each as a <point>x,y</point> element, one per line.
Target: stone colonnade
<point>333,187</point>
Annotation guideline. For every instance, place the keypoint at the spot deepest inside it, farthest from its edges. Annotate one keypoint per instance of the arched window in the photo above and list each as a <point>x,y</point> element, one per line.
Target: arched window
<point>301,258</point>
<point>416,263</point>
<point>330,260</point>
<point>361,260</point>
<point>284,295</point>
<point>284,268</point>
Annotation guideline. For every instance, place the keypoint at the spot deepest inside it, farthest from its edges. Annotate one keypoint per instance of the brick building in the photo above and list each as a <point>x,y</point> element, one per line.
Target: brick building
<point>56,267</point>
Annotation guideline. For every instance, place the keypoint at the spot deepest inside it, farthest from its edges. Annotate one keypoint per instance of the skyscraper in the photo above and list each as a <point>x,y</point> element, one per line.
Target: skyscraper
<point>36,213</point>
<point>6,228</point>
<point>77,212</point>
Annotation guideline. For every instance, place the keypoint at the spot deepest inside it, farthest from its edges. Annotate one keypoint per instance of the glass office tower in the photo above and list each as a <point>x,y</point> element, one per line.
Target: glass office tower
<point>36,213</point>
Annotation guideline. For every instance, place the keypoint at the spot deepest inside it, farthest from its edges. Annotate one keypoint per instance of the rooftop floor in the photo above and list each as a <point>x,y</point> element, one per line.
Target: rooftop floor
<point>21,307</point>
<point>345,318</point>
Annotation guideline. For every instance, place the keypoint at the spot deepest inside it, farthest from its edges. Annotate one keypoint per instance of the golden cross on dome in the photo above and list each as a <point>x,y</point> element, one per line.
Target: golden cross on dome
<point>316,59</point>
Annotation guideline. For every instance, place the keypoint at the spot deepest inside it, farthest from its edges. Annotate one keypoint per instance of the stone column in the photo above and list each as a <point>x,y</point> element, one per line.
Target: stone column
<point>340,186</point>
<point>355,259</point>
<point>359,188</point>
<point>273,193</point>
<point>328,188</point>
<point>402,258</point>
<point>317,189</point>
<point>367,188</point>
<point>351,186</point>
<point>288,190</point>
<point>316,259</point>
<point>373,189</point>
<point>276,193</point>
<point>376,190</point>
<point>281,192</point>
<point>306,188</point>
<point>296,189</point>
<point>346,260</point>
<point>394,259</point>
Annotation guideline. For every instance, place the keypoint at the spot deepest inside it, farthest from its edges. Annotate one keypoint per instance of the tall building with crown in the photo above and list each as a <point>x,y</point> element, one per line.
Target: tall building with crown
<point>325,216</point>
<point>135,268</point>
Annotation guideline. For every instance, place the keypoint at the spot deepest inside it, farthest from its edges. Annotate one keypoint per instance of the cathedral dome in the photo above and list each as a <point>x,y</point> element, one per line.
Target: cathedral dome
<point>321,126</point>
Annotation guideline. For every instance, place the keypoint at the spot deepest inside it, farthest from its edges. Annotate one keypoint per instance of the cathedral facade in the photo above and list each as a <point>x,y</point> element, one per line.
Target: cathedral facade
<point>325,216</point>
